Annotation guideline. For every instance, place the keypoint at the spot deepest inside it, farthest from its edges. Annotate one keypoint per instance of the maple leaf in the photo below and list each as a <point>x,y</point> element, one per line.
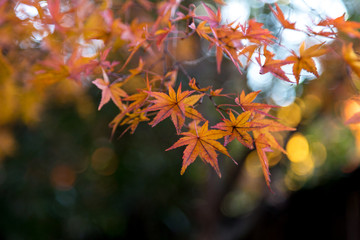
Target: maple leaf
<point>351,58</point>
<point>136,34</point>
<point>138,99</point>
<point>265,141</point>
<point>109,90</point>
<point>138,69</point>
<point>202,30</point>
<point>217,93</point>
<point>254,32</point>
<point>262,147</point>
<point>237,128</point>
<point>247,104</point>
<point>268,126</point>
<point>105,63</point>
<point>161,34</point>
<point>280,17</point>
<point>354,119</point>
<point>250,50</point>
<point>165,10</point>
<point>348,27</point>
<point>273,65</point>
<point>194,85</point>
<point>175,105</point>
<point>134,114</point>
<point>202,143</point>
<point>304,60</point>
<point>133,119</point>
<point>56,15</point>
<point>213,19</point>
<point>226,41</point>
<point>118,118</point>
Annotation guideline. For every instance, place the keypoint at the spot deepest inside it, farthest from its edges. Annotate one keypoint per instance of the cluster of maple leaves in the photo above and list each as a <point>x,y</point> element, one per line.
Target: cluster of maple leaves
<point>147,44</point>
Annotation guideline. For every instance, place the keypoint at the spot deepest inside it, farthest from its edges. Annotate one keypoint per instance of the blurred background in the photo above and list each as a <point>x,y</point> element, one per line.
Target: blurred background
<point>61,177</point>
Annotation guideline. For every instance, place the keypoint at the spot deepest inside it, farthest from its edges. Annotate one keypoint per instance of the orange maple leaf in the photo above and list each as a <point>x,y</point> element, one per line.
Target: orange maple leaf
<point>217,93</point>
<point>194,85</point>
<point>134,114</point>
<point>304,60</point>
<point>254,32</point>
<point>175,105</point>
<point>201,143</point>
<point>227,41</point>
<point>139,99</point>
<point>247,104</point>
<point>273,65</point>
<point>354,119</point>
<point>280,17</point>
<point>265,141</point>
<point>133,120</point>
<point>109,90</point>
<point>268,126</point>
<point>161,34</point>
<point>348,27</point>
<point>237,128</point>
<point>202,30</point>
<point>250,50</point>
<point>262,147</point>
<point>351,58</point>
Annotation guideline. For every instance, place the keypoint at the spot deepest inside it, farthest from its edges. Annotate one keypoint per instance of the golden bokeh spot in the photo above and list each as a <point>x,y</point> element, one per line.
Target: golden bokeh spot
<point>290,115</point>
<point>63,177</point>
<point>303,168</point>
<point>253,165</point>
<point>103,161</point>
<point>319,153</point>
<point>297,148</point>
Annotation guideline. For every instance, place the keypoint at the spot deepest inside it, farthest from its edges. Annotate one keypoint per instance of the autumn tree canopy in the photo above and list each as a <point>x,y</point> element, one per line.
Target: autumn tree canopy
<point>134,52</point>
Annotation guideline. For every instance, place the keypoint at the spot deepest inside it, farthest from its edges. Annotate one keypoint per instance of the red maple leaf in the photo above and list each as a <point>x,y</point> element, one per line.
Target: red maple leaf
<point>201,143</point>
<point>175,105</point>
<point>254,32</point>
<point>273,66</point>
<point>280,17</point>
<point>212,18</point>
